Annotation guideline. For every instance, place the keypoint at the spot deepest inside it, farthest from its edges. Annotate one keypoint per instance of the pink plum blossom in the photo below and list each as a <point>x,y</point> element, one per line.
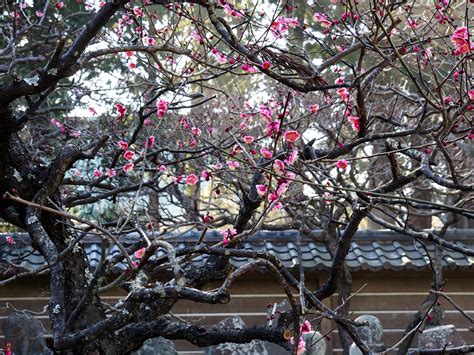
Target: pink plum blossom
<point>305,327</point>
<point>128,167</point>
<point>233,164</point>
<point>267,154</point>
<point>279,166</point>
<point>266,65</point>
<point>265,112</point>
<point>138,11</point>
<point>196,131</point>
<point>277,206</point>
<point>123,145</point>
<point>150,41</point>
<point>206,175</point>
<point>192,179</point>
<point>128,154</point>
<point>150,142</point>
<point>92,110</point>
<point>273,196</point>
<point>110,172</point>
<point>248,68</point>
<point>355,122</point>
<point>161,107</point>
<point>292,136</point>
<point>322,19</point>
<point>344,94</point>
<point>249,139</point>
<point>273,127</point>
<point>460,39</point>
<point>228,235</point>
<point>261,189</point>
<point>342,164</point>
<point>139,253</point>
<point>412,23</point>
<point>292,157</point>
<point>231,11</point>
<point>121,109</point>
<point>314,108</point>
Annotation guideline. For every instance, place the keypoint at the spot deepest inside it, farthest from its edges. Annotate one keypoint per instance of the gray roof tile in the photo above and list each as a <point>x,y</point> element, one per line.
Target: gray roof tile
<point>368,252</point>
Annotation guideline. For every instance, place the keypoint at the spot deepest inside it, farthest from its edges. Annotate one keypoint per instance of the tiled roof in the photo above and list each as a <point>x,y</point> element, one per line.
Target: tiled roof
<point>370,250</point>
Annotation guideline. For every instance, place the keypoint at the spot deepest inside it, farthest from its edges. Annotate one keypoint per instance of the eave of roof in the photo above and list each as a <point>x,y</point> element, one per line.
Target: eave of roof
<point>373,250</point>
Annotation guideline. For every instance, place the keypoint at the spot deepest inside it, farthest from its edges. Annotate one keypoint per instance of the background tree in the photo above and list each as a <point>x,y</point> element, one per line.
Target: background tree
<point>158,117</point>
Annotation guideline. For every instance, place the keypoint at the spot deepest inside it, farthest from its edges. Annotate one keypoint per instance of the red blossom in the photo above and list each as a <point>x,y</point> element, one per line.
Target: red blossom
<point>128,154</point>
<point>192,179</point>
<point>314,108</point>
<point>249,139</point>
<point>266,153</point>
<point>292,136</point>
<point>121,109</point>
<point>342,164</point>
<point>128,167</point>
<point>139,253</point>
<point>322,19</point>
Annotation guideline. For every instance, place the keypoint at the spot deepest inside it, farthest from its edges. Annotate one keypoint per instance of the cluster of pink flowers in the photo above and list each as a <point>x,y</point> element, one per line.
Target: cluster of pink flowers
<point>64,129</point>
<point>273,127</point>
<point>233,164</point>
<point>161,108</point>
<point>266,153</point>
<point>220,57</point>
<point>345,96</point>
<point>110,172</point>
<point>128,155</point>
<point>58,124</point>
<point>248,68</point>
<point>412,23</point>
<point>355,122</point>
<point>282,24</point>
<point>265,112</point>
<point>301,346</point>
<point>284,177</point>
<point>228,235</point>
<point>121,110</point>
<point>322,19</point>
<point>197,37</point>
<point>460,39</point>
<point>230,10</point>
